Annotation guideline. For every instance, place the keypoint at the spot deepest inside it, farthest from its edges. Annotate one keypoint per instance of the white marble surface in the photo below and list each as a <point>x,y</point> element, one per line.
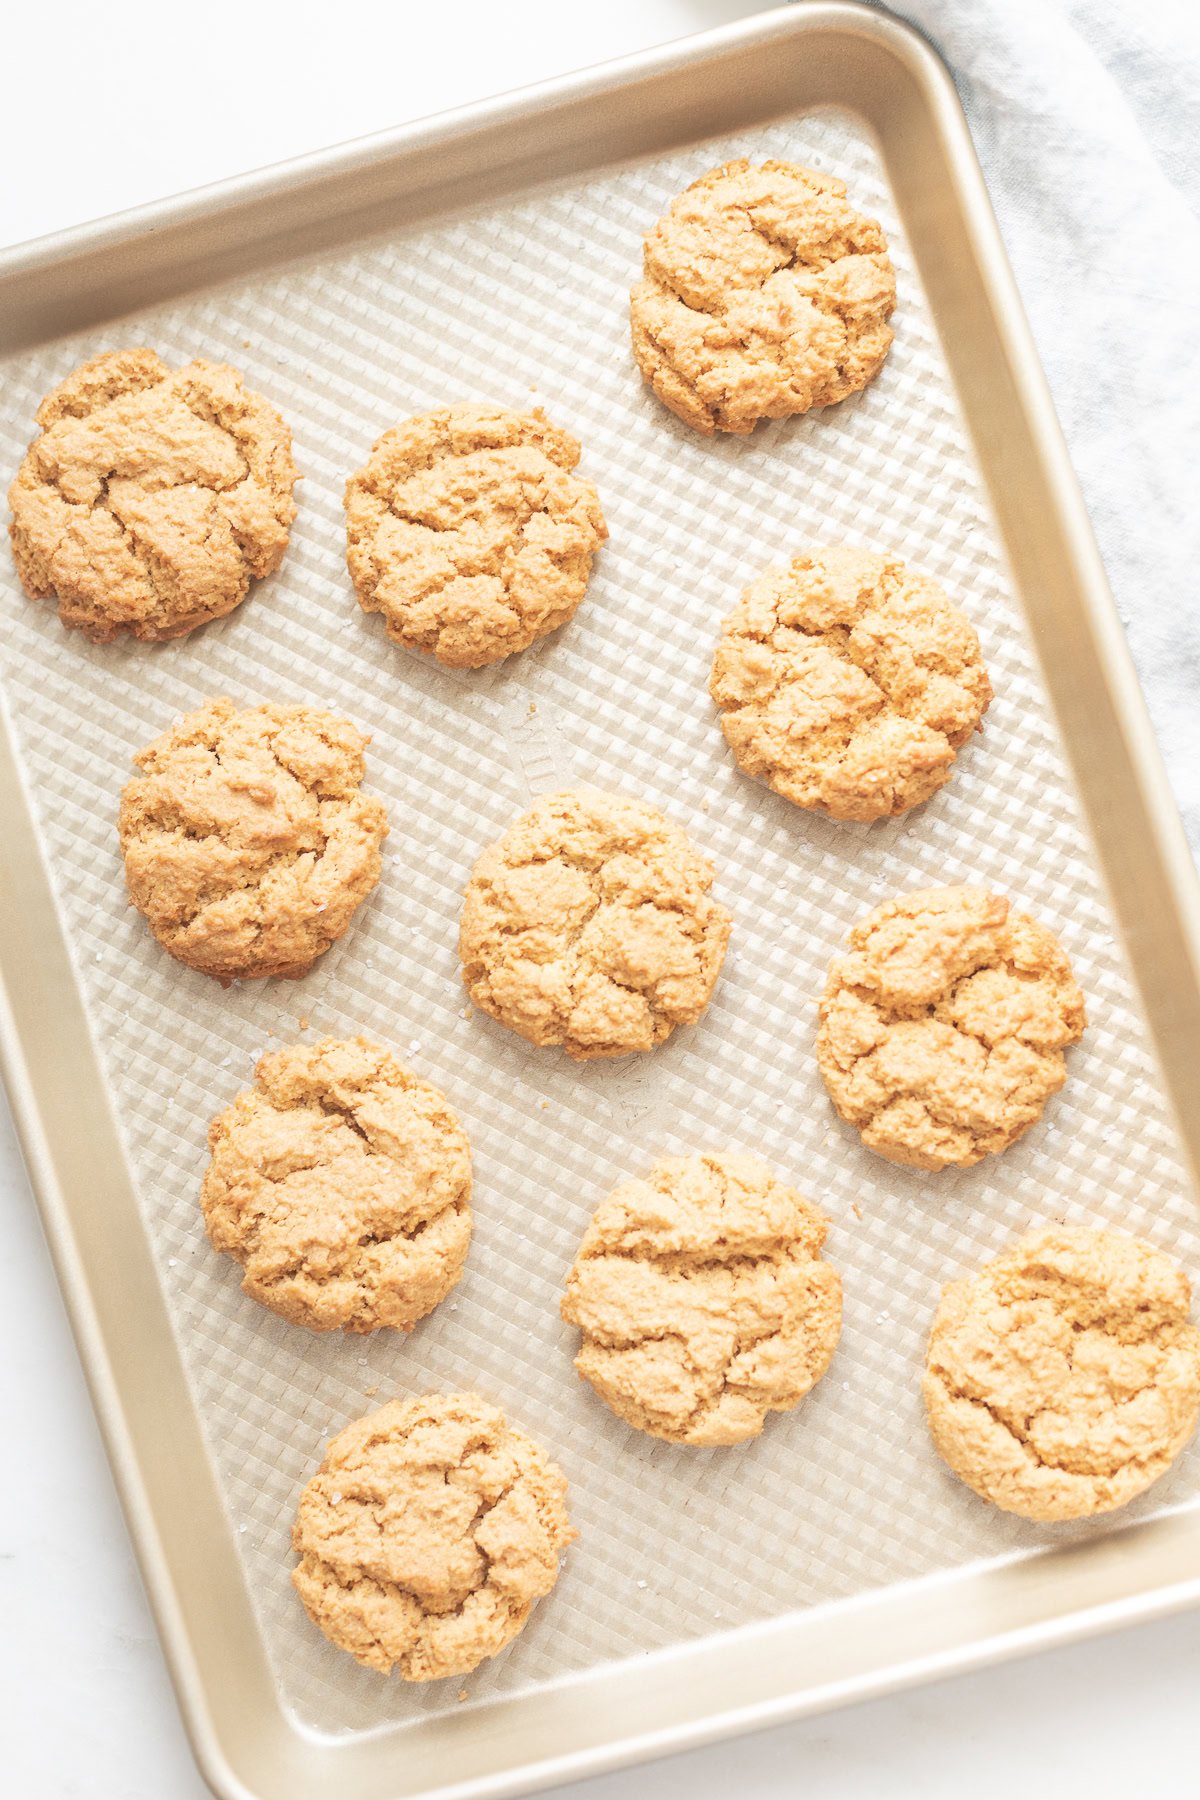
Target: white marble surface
<point>146,105</point>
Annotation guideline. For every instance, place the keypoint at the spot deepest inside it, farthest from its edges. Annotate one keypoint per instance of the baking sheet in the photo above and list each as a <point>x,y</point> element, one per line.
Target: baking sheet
<point>529,301</point>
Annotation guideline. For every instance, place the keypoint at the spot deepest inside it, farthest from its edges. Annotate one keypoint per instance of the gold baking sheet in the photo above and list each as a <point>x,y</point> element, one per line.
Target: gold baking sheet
<point>471,273</point>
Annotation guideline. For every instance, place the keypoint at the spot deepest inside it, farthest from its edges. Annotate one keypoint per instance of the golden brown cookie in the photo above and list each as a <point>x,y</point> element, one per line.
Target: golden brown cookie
<point>470,533</point>
<point>943,1029</point>
<point>247,843</point>
<point>427,1535</point>
<point>764,293</point>
<point>590,924</point>
<point>1064,1377</point>
<point>703,1299</point>
<point>152,496</point>
<point>848,682</point>
<point>342,1185</point>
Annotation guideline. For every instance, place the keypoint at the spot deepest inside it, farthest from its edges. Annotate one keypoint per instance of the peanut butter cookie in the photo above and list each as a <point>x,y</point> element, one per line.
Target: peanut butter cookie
<point>590,924</point>
<point>703,1299</point>
<point>469,532</point>
<point>151,496</point>
<point>1064,1377</point>
<point>942,1031</point>
<point>848,683</point>
<point>342,1185</point>
<point>247,843</point>
<point>427,1535</point>
<point>764,293</point>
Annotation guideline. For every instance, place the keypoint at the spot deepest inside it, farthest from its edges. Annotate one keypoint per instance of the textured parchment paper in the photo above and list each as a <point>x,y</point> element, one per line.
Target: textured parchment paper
<point>529,302</point>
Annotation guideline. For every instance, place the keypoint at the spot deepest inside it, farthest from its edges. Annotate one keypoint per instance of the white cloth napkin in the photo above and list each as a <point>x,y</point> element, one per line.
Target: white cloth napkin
<point>1086,116</point>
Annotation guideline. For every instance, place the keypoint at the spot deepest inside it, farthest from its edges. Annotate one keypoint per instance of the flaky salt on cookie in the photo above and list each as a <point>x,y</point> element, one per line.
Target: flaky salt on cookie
<point>590,924</point>
<point>1063,1379</point>
<point>848,683</point>
<point>248,845</point>
<point>764,293</point>
<point>942,1030</point>
<point>470,532</point>
<point>703,1299</point>
<point>152,496</point>
<point>427,1536</point>
<point>341,1183</point>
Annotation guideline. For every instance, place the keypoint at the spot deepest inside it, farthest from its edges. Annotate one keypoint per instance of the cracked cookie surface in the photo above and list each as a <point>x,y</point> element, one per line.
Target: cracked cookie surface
<point>470,532</point>
<point>590,924</point>
<point>942,1031</point>
<point>247,843</point>
<point>848,683</point>
<point>764,293</point>
<point>427,1535</point>
<point>703,1299</point>
<point>342,1185</point>
<point>1064,1378</point>
<point>152,496</point>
